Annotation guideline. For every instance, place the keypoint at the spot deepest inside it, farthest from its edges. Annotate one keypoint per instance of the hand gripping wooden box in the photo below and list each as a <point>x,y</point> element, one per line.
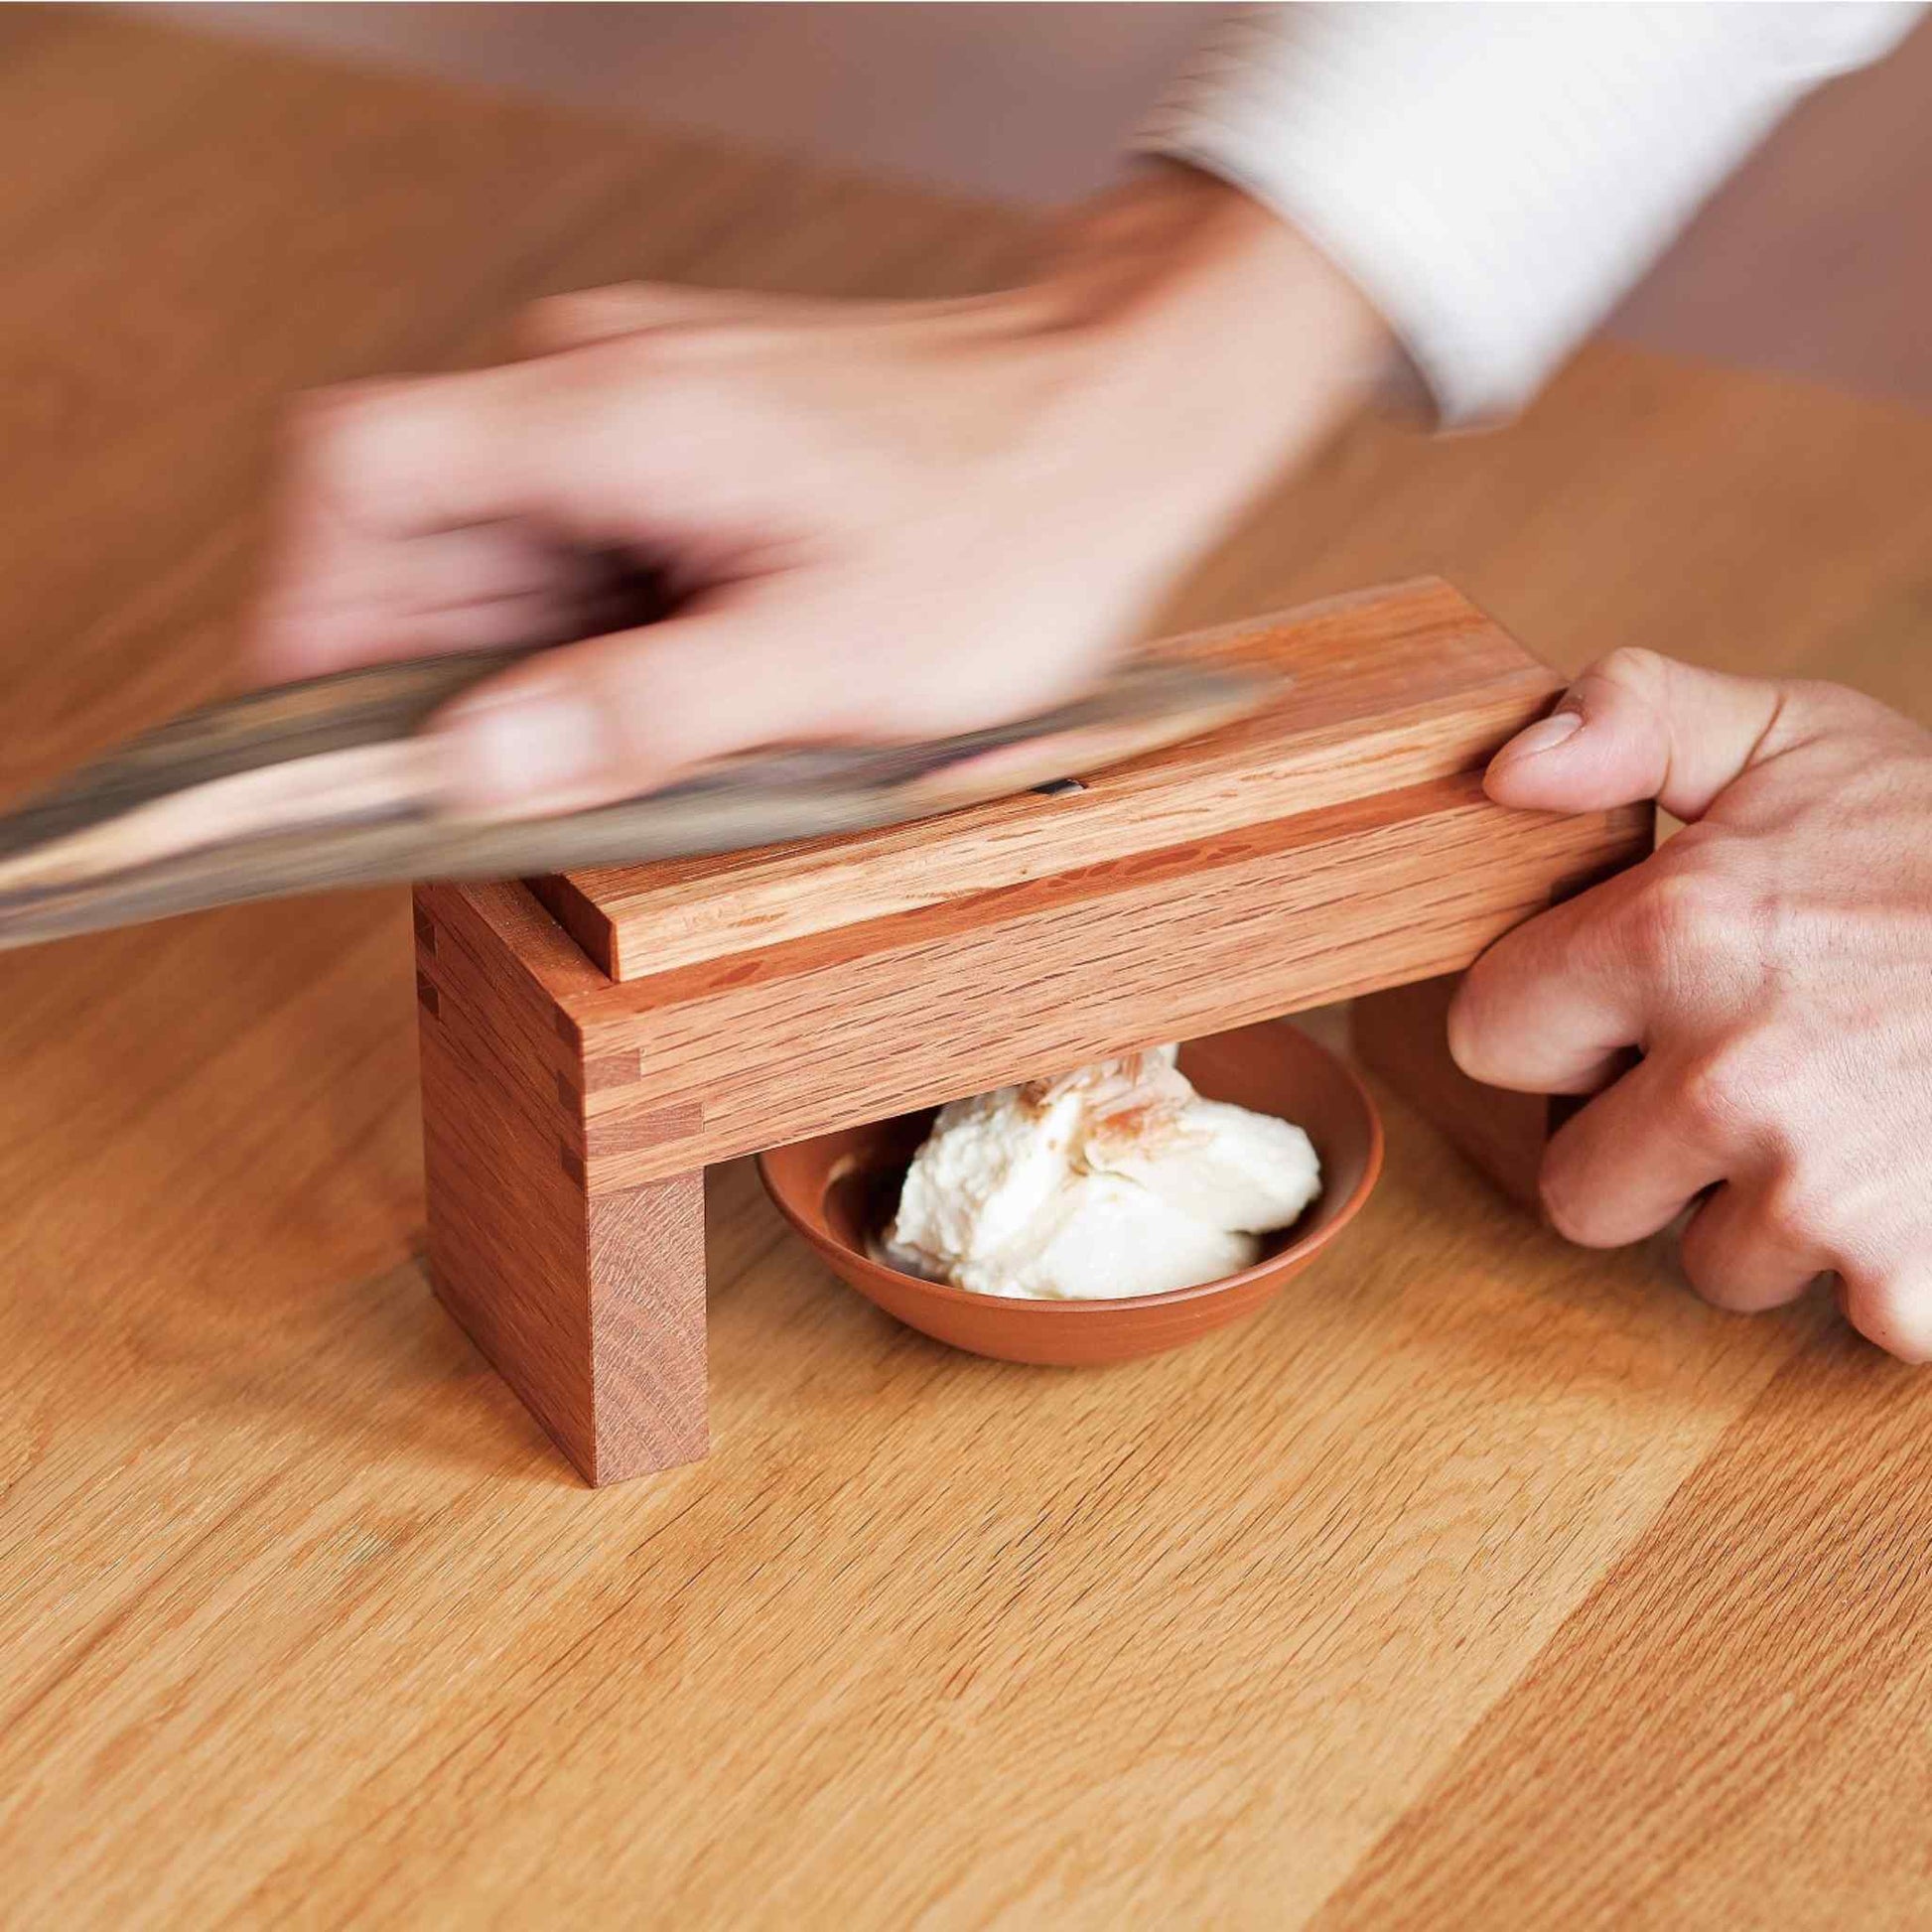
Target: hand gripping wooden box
<point>590,1042</point>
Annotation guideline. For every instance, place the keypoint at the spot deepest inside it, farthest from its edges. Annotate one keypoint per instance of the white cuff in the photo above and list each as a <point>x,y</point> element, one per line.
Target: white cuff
<point>1494,177</point>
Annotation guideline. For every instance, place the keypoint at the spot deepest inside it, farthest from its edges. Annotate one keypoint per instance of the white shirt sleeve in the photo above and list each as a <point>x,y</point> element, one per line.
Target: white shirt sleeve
<point>1494,177</point>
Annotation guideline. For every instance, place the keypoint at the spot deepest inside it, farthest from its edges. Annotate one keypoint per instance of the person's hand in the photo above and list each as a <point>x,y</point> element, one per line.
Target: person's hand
<point>1772,964</point>
<point>879,520</point>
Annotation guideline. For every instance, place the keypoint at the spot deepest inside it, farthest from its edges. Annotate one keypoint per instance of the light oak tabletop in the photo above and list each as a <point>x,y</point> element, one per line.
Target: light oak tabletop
<point>1481,1580</point>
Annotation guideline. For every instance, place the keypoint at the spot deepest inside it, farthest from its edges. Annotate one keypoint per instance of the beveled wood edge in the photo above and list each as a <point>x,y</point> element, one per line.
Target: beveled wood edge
<point>610,920</point>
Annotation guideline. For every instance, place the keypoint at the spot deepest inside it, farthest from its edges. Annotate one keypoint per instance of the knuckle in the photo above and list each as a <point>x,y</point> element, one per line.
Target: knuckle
<point>1714,1094</point>
<point>1749,1075</point>
<point>1796,1212</point>
<point>1630,666</point>
<point>1678,925</point>
<point>1838,708</point>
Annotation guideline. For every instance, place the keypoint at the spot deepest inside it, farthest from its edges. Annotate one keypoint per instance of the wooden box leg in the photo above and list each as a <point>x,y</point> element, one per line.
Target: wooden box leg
<point>1402,1034</point>
<point>591,1306</point>
<point>647,1328</point>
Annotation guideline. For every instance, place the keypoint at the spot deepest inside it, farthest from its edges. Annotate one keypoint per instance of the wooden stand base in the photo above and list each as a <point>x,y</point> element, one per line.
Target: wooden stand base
<point>590,1044</point>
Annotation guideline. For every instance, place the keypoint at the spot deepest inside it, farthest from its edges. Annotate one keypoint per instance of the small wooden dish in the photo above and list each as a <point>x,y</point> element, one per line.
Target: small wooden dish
<point>840,1189</point>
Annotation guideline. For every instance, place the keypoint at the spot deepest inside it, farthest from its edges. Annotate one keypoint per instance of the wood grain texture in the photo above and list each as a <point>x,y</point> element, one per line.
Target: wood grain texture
<point>1383,689</point>
<point>1818,1502</point>
<point>590,1308</point>
<point>1335,843</point>
<point>564,1145</point>
<point>1619,1602</point>
<point>1249,872</point>
<point>647,1328</point>
<point>955,998</point>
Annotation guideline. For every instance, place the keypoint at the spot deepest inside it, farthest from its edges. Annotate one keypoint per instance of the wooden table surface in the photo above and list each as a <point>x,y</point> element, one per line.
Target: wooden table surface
<point>1479,1581</point>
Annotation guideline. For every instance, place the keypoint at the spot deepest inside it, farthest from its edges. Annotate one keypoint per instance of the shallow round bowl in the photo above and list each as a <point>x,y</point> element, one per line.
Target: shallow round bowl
<point>839,1190</point>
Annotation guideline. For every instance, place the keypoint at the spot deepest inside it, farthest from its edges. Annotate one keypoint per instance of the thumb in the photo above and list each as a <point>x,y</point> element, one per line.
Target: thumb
<point>1638,726</point>
<point>626,713</point>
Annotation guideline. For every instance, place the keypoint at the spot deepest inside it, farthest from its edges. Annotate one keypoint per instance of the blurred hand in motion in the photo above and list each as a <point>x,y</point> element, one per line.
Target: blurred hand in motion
<point>876,520</point>
<point>1773,963</point>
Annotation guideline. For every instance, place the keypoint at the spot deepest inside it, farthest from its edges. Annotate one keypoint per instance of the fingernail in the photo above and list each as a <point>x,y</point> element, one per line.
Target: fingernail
<point>515,749</point>
<point>1543,736</point>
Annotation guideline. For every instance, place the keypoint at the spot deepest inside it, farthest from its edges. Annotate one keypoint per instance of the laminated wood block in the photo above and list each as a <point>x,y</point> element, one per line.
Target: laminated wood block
<point>591,1042</point>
